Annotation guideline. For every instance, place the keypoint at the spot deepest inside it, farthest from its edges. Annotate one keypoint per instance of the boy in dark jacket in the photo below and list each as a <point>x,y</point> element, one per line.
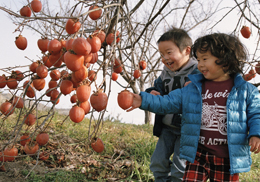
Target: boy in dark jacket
<point>174,46</point>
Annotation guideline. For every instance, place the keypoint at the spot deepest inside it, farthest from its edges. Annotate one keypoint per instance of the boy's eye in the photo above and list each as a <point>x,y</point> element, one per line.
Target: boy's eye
<point>203,59</point>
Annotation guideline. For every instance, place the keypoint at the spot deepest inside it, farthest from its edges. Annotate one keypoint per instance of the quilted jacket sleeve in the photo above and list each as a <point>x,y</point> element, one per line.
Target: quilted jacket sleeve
<point>167,104</point>
<point>253,112</point>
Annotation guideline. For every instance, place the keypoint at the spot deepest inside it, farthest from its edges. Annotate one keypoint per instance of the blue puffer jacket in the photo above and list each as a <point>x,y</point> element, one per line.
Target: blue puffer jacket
<point>243,118</point>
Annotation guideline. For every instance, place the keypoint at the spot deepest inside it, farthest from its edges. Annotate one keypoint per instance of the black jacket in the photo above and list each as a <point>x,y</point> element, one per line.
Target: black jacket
<point>176,120</point>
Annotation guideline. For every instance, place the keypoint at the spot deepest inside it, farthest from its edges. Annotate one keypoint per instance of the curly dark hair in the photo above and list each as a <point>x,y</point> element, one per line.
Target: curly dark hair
<point>178,36</point>
<point>231,53</point>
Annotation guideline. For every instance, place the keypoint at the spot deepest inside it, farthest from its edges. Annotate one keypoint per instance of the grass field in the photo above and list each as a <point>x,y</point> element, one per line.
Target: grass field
<point>126,157</point>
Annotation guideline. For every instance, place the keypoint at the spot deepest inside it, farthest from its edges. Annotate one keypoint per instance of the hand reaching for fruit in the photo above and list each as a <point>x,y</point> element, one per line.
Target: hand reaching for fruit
<point>137,101</point>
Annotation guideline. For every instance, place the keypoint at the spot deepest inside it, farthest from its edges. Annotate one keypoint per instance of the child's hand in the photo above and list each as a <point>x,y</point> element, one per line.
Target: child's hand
<point>187,83</point>
<point>137,101</point>
<point>254,142</point>
<point>153,92</point>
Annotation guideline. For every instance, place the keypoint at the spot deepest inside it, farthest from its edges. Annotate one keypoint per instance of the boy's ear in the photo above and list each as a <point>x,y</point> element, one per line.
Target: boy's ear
<point>188,49</point>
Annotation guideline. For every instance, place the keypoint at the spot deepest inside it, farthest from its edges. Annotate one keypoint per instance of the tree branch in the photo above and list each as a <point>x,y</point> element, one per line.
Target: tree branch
<point>148,23</point>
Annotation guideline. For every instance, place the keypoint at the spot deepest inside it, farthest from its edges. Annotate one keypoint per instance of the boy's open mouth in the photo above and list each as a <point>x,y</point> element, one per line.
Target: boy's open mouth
<point>171,63</point>
<point>204,72</point>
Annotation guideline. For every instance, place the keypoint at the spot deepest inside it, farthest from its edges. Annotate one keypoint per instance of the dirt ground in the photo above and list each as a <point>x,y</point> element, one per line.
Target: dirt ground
<point>65,156</point>
<point>12,171</point>
<point>17,170</point>
<point>116,168</point>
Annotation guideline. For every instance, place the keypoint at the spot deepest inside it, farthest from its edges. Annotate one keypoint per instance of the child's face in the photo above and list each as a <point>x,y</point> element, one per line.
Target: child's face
<point>208,67</point>
<point>171,56</point>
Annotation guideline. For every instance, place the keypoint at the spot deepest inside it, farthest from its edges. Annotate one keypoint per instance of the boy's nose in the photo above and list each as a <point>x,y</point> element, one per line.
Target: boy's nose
<point>199,65</point>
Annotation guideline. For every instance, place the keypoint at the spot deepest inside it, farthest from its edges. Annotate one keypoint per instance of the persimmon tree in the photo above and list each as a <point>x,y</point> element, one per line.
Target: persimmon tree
<point>86,45</point>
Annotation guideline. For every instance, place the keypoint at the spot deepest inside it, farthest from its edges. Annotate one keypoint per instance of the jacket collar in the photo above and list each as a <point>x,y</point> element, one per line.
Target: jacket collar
<point>198,78</point>
<point>191,64</point>
<point>238,80</point>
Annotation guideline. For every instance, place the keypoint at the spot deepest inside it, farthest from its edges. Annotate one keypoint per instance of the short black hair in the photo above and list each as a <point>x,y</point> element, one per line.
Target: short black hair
<point>231,53</point>
<point>178,36</point>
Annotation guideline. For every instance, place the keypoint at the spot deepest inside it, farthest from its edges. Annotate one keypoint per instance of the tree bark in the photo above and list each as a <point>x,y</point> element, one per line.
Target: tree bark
<point>148,117</point>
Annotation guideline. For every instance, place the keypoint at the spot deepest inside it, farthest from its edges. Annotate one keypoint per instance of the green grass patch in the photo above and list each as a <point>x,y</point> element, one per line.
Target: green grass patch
<point>58,176</point>
<point>128,149</point>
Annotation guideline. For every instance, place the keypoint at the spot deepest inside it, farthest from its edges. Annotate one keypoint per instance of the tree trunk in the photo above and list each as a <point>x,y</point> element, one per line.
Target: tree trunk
<point>148,117</point>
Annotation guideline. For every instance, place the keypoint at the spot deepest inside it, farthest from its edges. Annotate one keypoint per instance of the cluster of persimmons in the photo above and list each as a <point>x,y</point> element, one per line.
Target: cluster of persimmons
<point>74,56</point>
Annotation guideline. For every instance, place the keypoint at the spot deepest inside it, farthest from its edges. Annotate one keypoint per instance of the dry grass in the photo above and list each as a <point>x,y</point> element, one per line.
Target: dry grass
<point>127,153</point>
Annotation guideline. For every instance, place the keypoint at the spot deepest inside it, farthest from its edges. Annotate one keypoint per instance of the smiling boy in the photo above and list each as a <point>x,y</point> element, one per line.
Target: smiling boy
<point>174,47</point>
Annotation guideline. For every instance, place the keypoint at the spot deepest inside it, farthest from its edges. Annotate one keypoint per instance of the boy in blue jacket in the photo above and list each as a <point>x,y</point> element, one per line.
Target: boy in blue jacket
<point>220,112</point>
<point>174,46</point>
